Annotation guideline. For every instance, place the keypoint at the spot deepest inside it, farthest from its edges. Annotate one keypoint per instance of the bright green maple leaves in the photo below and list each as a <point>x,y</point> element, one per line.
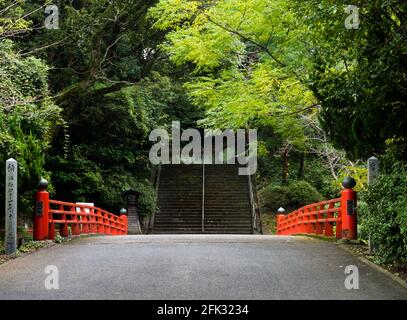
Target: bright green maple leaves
<point>247,59</point>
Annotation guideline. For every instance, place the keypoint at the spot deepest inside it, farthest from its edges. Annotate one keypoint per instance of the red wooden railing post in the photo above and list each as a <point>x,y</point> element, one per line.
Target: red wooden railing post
<point>280,220</point>
<point>123,218</point>
<point>300,215</point>
<point>63,227</point>
<point>93,225</point>
<point>338,231</point>
<point>85,221</point>
<point>310,226</point>
<point>41,215</point>
<point>106,220</point>
<point>319,226</point>
<point>89,218</point>
<point>75,226</point>
<point>99,221</point>
<point>113,224</point>
<point>348,210</point>
<point>51,233</point>
<point>329,231</point>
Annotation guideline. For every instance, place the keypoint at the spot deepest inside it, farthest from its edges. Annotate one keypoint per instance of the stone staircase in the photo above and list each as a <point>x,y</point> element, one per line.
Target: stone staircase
<point>180,199</point>
<point>227,201</point>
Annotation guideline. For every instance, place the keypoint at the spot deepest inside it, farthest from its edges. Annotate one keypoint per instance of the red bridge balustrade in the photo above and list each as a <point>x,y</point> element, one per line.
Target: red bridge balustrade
<point>336,217</point>
<point>81,218</point>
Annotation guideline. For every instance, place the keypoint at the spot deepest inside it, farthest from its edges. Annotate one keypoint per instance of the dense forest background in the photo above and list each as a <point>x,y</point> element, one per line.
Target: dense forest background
<point>78,102</point>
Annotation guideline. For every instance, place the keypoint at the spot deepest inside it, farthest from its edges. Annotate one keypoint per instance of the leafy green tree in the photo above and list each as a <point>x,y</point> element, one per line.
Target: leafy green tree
<point>110,80</point>
<point>27,118</point>
<point>245,67</point>
<point>237,75</point>
<point>358,75</point>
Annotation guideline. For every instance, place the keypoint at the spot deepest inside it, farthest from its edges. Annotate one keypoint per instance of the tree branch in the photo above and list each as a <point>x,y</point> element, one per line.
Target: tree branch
<point>264,48</point>
<point>283,114</point>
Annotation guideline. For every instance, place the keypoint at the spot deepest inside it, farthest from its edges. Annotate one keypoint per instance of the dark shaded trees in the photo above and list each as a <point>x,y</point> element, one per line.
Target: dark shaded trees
<point>359,75</point>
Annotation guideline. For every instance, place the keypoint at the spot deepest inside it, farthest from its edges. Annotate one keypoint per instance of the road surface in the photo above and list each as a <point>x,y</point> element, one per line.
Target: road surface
<point>194,267</point>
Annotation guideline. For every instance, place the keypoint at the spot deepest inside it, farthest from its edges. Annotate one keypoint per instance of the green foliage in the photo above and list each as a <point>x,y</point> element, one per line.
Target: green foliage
<point>318,175</point>
<point>359,75</point>
<point>27,119</point>
<point>12,20</point>
<point>237,75</point>
<point>109,157</point>
<point>58,239</point>
<point>24,234</point>
<point>104,78</point>
<point>268,223</point>
<point>302,193</point>
<point>396,149</point>
<point>108,152</point>
<point>291,197</point>
<point>274,196</point>
<point>385,215</point>
<point>359,173</point>
<point>31,246</point>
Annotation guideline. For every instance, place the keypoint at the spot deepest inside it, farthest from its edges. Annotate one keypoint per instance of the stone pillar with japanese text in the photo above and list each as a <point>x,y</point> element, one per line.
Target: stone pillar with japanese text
<point>10,242</point>
<point>372,176</point>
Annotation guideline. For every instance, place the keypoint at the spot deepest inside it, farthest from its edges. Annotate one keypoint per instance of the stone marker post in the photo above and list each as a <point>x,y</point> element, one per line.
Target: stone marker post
<point>372,175</point>
<point>11,206</point>
<point>372,170</point>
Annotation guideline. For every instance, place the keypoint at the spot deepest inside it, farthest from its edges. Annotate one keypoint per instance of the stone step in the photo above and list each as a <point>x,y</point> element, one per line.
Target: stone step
<point>177,215</point>
<point>173,218</point>
<point>179,228</point>
<point>199,221</point>
<point>227,204</point>
<point>208,206</point>
<point>193,232</point>
<point>238,210</point>
<point>181,197</point>
<point>180,206</point>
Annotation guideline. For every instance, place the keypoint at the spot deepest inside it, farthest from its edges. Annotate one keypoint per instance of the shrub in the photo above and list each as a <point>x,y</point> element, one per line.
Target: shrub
<point>274,196</point>
<point>291,197</point>
<point>302,193</point>
<point>385,215</point>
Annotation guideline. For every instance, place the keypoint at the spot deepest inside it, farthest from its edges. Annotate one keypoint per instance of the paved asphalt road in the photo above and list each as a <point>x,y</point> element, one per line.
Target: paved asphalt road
<point>194,267</point>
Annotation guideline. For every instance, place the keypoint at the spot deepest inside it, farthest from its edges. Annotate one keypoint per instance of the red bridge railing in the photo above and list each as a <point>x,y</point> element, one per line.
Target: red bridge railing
<point>81,218</point>
<point>336,217</point>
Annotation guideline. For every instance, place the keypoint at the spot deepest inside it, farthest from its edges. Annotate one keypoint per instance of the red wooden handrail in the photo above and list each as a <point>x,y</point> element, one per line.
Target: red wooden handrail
<point>321,217</point>
<point>82,218</point>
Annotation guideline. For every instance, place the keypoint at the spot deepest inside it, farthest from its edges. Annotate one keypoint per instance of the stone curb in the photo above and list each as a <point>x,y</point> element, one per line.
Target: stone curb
<point>375,266</point>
